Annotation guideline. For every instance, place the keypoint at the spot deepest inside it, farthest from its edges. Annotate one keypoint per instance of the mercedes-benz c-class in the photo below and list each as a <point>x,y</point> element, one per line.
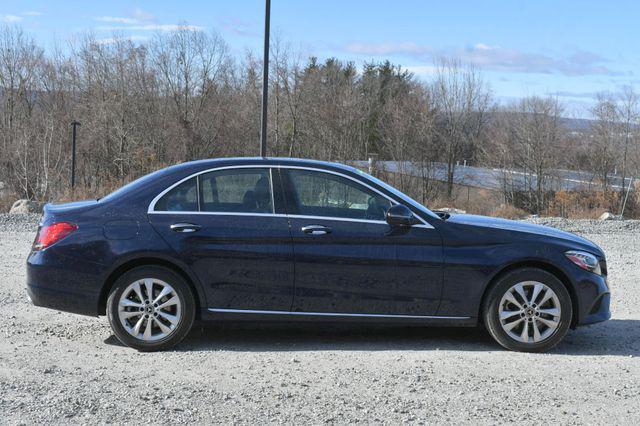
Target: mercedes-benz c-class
<point>289,240</point>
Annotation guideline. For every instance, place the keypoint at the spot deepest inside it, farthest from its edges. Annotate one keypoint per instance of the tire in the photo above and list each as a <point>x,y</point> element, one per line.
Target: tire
<point>151,326</point>
<point>546,317</point>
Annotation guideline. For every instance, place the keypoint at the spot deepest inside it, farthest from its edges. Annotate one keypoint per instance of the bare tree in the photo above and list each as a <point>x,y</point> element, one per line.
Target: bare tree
<point>605,133</point>
<point>462,100</point>
<point>190,64</point>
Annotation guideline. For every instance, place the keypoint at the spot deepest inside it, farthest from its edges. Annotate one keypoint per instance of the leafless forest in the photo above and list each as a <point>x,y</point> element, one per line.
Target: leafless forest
<point>184,96</point>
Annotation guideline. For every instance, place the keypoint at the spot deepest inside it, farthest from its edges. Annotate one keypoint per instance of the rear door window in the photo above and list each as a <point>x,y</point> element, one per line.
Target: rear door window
<point>236,191</point>
<point>182,198</point>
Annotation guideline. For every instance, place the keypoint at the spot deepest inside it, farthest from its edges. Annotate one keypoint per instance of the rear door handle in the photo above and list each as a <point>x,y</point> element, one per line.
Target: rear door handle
<point>316,230</point>
<point>184,227</point>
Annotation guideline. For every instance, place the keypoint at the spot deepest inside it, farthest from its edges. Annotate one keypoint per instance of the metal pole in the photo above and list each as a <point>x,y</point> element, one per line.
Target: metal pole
<point>75,124</point>
<point>624,204</point>
<point>265,81</point>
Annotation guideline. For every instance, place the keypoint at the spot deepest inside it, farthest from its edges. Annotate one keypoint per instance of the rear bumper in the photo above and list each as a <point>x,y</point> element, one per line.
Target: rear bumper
<point>64,284</point>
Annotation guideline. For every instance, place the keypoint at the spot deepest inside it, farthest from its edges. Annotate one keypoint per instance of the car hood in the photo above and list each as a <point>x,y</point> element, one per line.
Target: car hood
<point>518,226</point>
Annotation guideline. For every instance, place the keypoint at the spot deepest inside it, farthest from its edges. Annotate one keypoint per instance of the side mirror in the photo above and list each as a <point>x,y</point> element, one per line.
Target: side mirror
<point>400,215</point>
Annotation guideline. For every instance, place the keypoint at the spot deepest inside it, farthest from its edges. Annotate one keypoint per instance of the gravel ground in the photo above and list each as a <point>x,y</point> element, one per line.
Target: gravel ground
<point>63,368</point>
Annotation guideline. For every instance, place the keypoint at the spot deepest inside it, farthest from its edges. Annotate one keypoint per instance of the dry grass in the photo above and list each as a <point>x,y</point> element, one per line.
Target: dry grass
<point>508,211</point>
<point>585,204</point>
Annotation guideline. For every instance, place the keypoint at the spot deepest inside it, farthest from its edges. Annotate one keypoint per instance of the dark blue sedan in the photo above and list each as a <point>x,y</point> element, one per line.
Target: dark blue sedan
<point>286,239</point>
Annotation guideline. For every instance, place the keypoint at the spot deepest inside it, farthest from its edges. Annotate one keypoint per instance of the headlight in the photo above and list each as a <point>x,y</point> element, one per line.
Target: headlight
<point>585,260</point>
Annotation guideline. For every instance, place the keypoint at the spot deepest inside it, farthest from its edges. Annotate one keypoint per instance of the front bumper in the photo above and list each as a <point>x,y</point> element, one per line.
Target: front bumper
<point>594,299</point>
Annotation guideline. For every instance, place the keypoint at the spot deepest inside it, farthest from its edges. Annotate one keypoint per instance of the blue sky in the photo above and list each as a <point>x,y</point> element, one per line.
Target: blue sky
<point>572,49</point>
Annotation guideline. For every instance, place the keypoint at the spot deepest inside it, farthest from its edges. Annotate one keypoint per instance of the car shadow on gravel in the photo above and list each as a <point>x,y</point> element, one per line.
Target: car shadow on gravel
<point>614,337</point>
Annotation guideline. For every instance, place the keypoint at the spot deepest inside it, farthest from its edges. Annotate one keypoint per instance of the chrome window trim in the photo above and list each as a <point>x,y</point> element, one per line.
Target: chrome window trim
<point>330,314</point>
<point>152,205</point>
<point>198,192</point>
<point>425,224</point>
<point>273,199</point>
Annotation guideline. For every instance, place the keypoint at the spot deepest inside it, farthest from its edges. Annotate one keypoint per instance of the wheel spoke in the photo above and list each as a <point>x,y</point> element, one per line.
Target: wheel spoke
<point>536,331</point>
<point>525,332</point>
<point>548,294</point>
<point>126,303</point>
<point>520,290</point>
<point>148,284</point>
<point>165,291</point>
<point>509,297</point>
<point>537,288</point>
<point>504,315</point>
<point>173,301</point>
<point>551,324</point>
<point>164,328</point>
<point>138,291</point>
<point>130,314</point>
<point>512,325</point>
<point>554,312</point>
<point>136,329</point>
<point>171,318</point>
<point>148,329</point>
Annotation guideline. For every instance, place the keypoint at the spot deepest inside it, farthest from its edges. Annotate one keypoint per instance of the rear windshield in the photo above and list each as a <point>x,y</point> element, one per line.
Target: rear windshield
<point>132,186</point>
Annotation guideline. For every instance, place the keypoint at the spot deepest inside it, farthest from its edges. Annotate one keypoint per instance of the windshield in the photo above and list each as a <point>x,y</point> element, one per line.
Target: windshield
<point>400,195</point>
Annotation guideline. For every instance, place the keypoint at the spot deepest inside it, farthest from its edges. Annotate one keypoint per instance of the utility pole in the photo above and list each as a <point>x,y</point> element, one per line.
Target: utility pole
<point>265,81</point>
<point>74,124</point>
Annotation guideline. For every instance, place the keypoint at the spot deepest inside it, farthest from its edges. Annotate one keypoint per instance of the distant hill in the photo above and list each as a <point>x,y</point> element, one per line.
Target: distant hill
<point>577,124</point>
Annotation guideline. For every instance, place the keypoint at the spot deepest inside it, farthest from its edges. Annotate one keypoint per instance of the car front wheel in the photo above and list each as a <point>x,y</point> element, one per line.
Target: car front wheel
<point>528,310</point>
<point>151,308</point>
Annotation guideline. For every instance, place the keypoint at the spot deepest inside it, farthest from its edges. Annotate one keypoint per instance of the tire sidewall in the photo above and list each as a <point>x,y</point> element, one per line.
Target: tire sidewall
<point>183,291</point>
<point>491,316</point>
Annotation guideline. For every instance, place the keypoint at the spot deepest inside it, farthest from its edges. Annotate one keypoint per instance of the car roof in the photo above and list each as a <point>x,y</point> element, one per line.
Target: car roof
<point>266,161</point>
<point>167,175</point>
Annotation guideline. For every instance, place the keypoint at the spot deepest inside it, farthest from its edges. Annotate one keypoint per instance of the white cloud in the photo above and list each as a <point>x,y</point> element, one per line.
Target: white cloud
<point>10,18</point>
<point>482,46</point>
<point>112,40</point>
<point>495,58</point>
<point>116,19</point>
<point>152,27</point>
<point>422,69</point>
<point>140,20</point>
<point>239,27</point>
<point>142,15</point>
<point>388,48</point>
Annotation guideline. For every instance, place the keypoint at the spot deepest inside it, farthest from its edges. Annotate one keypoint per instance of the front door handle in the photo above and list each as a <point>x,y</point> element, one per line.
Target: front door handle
<point>184,227</point>
<point>316,230</point>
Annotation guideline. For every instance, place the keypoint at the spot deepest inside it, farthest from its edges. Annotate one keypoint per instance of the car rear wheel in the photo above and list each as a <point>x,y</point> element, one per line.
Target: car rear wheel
<point>151,308</point>
<point>528,310</point>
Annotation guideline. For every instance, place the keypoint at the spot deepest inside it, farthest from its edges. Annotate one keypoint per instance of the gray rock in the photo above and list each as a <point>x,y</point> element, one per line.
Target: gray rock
<point>26,206</point>
<point>607,216</point>
<point>451,210</point>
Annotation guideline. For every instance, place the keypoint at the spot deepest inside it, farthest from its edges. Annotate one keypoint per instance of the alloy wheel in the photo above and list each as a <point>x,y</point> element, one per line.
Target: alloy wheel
<point>529,312</point>
<point>149,309</point>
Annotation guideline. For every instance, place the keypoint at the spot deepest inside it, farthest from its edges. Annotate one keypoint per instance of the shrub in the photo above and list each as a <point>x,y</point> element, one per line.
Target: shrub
<point>508,211</point>
<point>585,204</point>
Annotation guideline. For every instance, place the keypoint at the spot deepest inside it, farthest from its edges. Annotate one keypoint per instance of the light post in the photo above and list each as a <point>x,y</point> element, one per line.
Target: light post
<point>265,81</point>
<point>74,124</point>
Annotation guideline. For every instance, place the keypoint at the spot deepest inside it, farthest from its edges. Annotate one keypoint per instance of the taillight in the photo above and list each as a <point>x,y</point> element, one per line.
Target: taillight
<point>50,234</point>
